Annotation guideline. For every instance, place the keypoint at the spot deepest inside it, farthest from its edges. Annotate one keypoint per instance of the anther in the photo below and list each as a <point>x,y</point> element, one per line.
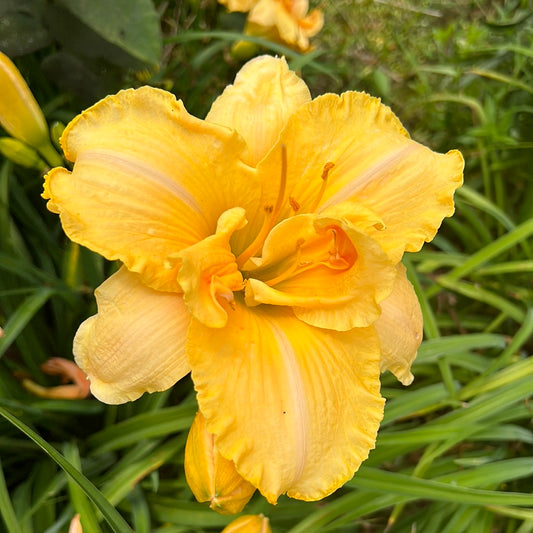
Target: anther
<point>294,204</point>
<point>325,172</point>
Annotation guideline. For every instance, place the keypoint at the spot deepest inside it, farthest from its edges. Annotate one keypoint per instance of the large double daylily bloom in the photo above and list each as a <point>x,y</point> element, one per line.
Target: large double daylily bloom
<point>261,251</point>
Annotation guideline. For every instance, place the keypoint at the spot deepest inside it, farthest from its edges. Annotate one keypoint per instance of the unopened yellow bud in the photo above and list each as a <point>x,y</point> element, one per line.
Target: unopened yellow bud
<point>21,154</point>
<point>251,523</point>
<point>20,114</point>
<point>56,130</point>
<point>211,477</point>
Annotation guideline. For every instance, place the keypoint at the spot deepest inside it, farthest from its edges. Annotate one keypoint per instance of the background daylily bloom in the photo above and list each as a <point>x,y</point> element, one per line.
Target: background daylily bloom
<point>284,21</point>
<point>20,114</point>
<point>261,251</point>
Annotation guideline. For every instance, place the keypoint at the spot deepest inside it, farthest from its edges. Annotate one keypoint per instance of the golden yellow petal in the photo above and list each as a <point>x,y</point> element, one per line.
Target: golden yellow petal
<point>209,273</point>
<point>333,275</point>
<point>369,160</point>
<point>136,342</point>
<point>210,477</point>
<point>148,180</point>
<point>399,328</point>
<point>249,524</point>
<point>259,103</point>
<point>296,408</point>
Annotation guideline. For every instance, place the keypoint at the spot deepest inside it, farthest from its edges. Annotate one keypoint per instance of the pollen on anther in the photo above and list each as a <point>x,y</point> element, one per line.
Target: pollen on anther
<point>294,204</point>
<point>327,167</point>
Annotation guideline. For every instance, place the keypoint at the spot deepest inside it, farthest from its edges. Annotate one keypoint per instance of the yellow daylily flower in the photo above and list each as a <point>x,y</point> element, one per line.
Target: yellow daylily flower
<point>261,251</point>
<point>211,477</point>
<point>251,523</point>
<point>20,114</point>
<point>284,21</point>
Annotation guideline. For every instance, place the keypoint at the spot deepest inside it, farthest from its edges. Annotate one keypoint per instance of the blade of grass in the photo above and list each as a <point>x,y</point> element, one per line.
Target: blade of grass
<point>24,313</point>
<point>114,519</point>
<point>6,507</point>
<point>402,484</point>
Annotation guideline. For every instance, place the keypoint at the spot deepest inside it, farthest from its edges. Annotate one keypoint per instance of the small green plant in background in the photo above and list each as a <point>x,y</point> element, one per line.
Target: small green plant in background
<point>454,450</point>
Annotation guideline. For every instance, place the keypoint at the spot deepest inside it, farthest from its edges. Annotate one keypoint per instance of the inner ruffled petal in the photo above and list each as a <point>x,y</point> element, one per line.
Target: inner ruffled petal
<point>209,273</point>
<point>332,274</point>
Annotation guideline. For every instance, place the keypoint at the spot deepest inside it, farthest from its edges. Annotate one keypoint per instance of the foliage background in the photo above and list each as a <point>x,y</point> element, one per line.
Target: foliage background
<point>454,452</point>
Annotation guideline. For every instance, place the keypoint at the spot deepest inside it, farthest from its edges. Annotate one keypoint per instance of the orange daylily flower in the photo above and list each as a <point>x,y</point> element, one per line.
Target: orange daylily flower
<point>68,371</point>
<point>261,251</point>
<point>284,21</point>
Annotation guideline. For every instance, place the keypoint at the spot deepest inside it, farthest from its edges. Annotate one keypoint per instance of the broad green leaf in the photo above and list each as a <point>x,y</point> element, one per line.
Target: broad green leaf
<point>132,25</point>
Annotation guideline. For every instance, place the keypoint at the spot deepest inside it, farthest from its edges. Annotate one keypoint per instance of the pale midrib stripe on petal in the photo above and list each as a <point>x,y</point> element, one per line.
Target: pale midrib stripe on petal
<point>374,172</point>
<point>297,388</point>
<point>136,166</point>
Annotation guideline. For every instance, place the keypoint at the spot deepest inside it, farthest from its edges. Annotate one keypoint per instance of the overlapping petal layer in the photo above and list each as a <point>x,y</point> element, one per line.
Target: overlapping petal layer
<point>136,342</point>
<point>399,328</point>
<point>295,407</point>
<point>259,103</point>
<point>209,273</point>
<point>325,269</point>
<point>149,180</point>
<point>374,163</point>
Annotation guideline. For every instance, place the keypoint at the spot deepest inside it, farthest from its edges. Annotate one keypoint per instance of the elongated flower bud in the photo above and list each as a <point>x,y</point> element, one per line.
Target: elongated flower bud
<point>21,154</point>
<point>249,524</point>
<point>20,114</point>
<point>210,476</point>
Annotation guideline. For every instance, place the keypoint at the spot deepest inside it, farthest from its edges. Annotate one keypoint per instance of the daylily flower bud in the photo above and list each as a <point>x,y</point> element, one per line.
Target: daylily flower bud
<point>249,524</point>
<point>75,525</point>
<point>56,130</point>
<point>69,371</point>
<point>210,476</point>
<point>21,154</point>
<point>20,114</point>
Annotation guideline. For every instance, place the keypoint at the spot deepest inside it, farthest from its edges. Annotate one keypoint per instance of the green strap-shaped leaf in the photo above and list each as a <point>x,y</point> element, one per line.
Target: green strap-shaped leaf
<point>112,516</point>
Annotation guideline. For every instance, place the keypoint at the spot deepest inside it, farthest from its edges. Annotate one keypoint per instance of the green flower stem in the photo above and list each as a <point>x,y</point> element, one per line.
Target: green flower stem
<point>50,155</point>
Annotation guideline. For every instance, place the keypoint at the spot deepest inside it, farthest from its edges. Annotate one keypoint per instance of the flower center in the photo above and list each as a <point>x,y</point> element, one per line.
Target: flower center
<point>271,213</point>
<point>331,249</point>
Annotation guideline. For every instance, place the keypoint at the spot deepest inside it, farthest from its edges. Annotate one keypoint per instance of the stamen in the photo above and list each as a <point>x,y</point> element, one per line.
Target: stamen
<point>294,204</point>
<point>271,214</point>
<point>293,268</point>
<point>327,167</point>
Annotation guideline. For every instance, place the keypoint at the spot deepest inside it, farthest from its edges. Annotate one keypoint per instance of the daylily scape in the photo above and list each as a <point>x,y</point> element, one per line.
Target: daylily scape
<point>260,251</point>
